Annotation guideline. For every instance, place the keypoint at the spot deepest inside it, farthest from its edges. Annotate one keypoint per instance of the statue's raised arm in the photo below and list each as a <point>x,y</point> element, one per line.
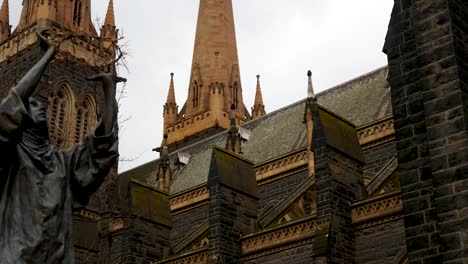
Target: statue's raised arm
<point>40,184</point>
<point>25,88</point>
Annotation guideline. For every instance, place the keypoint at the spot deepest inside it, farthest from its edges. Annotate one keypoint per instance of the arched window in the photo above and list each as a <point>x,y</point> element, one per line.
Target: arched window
<point>196,94</point>
<point>86,118</point>
<point>60,112</point>
<point>77,12</point>
<point>235,95</point>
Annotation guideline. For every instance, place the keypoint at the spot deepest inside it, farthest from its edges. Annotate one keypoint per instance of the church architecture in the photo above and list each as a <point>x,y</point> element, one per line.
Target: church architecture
<point>374,170</point>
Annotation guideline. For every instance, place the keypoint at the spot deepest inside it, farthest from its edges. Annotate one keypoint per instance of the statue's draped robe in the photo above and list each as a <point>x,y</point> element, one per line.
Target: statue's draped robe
<point>39,186</point>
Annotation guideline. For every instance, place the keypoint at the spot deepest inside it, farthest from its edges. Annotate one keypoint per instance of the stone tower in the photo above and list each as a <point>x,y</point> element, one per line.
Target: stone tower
<point>73,103</point>
<point>215,82</point>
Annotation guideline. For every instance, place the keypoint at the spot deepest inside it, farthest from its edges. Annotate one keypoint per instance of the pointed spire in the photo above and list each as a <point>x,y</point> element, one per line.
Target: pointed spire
<point>5,12</point>
<point>5,29</point>
<point>258,93</point>
<point>170,107</point>
<point>258,109</point>
<point>215,59</point>
<point>109,33</point>
<point>171,94</point>
<point>110,17</point>
<point>310,90</point>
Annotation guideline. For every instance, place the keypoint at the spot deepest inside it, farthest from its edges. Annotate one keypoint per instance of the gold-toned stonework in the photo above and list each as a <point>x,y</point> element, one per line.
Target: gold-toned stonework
<point>184,200</point>
<point>378,208</point>
<point>269,170</point>
<point>376,133</point>
<point>266,241</point>
<point>116,225</point>
<point>198,256</point>
<point>80,49</point>
<point>88,214</point>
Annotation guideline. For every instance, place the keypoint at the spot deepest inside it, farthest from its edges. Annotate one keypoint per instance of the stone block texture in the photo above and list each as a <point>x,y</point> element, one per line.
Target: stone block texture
<point>336,187</point>
<point>297,255</point>
<point>272,193</point>
<point>377,157</point>
<point>427,55</point>
<point>381,243</point>
<point>186,222</point>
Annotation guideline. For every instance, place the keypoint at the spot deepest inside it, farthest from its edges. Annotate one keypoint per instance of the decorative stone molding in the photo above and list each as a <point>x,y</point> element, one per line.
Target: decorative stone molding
<point>377,209</point>
<point>377,131</point>
<point>272,168</point>
<point>84,49</point>
<point>91,215</point>
<point>267,241</point>
<point>116,224</point>
<point>186,199</point>
<point>192,257</point>
<point>278,249</point>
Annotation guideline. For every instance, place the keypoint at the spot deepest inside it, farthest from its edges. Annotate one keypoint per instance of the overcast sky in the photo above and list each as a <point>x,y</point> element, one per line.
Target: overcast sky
<point>279,39</point>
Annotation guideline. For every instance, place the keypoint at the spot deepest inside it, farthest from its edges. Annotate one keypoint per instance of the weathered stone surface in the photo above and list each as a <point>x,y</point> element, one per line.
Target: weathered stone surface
<point>431,59</point>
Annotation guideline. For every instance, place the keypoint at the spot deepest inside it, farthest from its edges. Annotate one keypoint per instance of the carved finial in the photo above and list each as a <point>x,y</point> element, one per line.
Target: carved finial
<point>310,90</point>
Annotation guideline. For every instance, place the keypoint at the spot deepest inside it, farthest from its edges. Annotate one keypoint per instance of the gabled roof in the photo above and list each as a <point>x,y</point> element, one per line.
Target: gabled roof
<point>360,101</point>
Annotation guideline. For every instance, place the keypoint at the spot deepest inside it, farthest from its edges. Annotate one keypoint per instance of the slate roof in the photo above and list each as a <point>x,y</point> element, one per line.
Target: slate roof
<point>360,101</point>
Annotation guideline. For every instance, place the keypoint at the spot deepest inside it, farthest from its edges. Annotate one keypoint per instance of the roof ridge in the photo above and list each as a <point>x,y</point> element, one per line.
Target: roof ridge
<point>341,85</point>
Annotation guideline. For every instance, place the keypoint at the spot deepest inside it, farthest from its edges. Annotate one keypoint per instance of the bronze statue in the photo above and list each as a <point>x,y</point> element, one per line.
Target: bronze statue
<point>39,184</point>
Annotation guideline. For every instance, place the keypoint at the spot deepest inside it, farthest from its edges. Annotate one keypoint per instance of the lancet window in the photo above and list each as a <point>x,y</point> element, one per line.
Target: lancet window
<point>60,110</point>
<point>86,118</point>
<point>235,95</point>
<point>196,94</point>
<point>77,12</point>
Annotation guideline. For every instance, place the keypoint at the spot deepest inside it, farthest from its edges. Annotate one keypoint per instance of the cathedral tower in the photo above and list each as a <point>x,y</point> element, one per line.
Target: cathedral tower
<point>73,102</point>
<point>215,82</point>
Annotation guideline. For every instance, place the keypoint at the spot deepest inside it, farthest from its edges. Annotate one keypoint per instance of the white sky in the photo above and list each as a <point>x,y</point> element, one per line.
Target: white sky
<point>279,39</point>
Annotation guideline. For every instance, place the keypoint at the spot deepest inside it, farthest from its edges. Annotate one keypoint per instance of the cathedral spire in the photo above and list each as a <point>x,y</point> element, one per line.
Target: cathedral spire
<point>5,29</point>
<point>215,82</point>
<point>259,108</point>
<point>109,32</point>
<point>215,59</point>
<point>171,94</point>
<point>170,108</point>
<point>110,17</point>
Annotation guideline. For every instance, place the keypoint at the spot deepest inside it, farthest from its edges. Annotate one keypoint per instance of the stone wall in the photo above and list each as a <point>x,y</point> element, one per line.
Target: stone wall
<point>274,192</point>
<point>11,71</point>
<point>297,255</point>
<point>426,49</point>
<point>381,244</point>
<point>376,157</point>
<point>186,222</point>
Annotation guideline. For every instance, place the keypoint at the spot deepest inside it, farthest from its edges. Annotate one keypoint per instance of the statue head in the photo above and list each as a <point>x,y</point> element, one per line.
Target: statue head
<point>39,116</point>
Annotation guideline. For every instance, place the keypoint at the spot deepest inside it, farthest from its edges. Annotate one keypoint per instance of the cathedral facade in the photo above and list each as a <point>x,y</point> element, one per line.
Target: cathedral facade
<point>373,170</point>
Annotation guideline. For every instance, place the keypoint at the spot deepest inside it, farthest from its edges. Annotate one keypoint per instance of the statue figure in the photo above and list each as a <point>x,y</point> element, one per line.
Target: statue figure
<point>39,184</point>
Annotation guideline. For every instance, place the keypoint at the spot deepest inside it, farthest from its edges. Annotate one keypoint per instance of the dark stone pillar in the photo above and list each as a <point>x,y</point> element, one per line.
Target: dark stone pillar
<point>428,74</point>
<point>141,232</point>
<point>233,205</point>
<point>338,182</point>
